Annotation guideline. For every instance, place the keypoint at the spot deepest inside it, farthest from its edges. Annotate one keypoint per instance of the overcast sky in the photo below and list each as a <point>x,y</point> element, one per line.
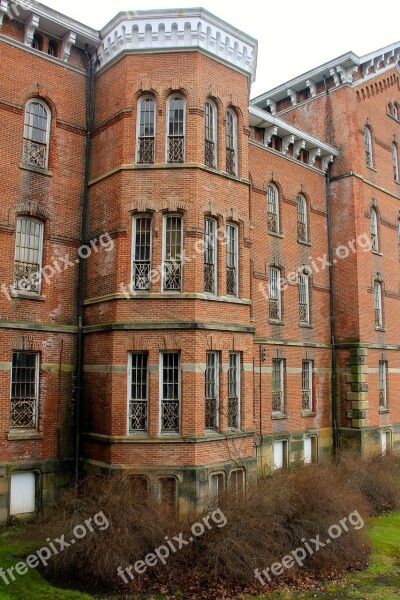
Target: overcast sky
<point>293,36</point>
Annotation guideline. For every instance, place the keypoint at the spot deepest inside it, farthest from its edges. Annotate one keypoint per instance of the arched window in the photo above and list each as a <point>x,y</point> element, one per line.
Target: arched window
<point>396,111</point>
<point>210,142</point>
<point>302,229</point>
<point>304,298</point>
<point>374,230</point>
<point>273,209</point>
<point>176,129</point>
<point>368,146</point>
<point>37,42</point>
<point>210,256</point>
<point>395,161</point>
<point>28,256</point>
<point>146,131</point>
<point>231,143</point>
<point>232,260</point>
<point>36,135</point>
<point>275,297</point>
<point>378,304</point>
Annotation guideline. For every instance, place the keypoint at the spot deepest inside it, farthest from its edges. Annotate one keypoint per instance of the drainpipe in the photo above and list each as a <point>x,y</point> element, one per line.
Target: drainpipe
<point>82,266</point>
<point>332,319</point>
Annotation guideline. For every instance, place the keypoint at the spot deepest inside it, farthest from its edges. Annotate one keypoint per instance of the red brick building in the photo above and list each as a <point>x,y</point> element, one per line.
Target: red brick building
<point>167,306</point>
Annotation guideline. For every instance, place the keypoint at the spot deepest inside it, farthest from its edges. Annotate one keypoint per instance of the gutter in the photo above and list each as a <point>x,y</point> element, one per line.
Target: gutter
<point>82,263</point>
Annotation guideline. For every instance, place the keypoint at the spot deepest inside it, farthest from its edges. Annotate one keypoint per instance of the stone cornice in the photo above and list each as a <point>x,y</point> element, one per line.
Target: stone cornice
<point>292,135</point>
<point>342,69</point>
<point>51,22</point>
<point>156,30</point>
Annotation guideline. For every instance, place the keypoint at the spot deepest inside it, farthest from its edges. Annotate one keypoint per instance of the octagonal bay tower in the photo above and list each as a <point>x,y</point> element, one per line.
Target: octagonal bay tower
<point>168,334</point>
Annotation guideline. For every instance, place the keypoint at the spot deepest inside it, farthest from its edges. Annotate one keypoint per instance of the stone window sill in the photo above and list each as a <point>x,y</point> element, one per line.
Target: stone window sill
<point>306,325</point>
<point>14,436</point>
<point>376,253</point>
<point>279,416</point>
<point>372,168</point>
<point>278,235</point>
<point>308,413</point>
<point>380,328</point>
<point>27,296</point>
<point>384,410</point>
<point>304,243</point>
<point>276,322</point>
<point>36,170</point>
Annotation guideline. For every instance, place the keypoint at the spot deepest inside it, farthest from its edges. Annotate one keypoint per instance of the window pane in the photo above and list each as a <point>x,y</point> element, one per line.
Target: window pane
<point>141,253</point>
<point>301,219</point>
<point>234,390</point>
<point>170,383</point>
<point>211,390</point>
<point>231,260</point>
<point>28,252</point>
<point>277,386</point>
<point>24,390</point>
<point>272,209</point>
<point>210,255</point>
<point>138,393</point>
<point>274,294</point>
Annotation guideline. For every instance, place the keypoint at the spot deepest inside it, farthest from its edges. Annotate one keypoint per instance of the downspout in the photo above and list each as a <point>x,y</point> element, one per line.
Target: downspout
<point>332,319</point>
<point>82,266</point>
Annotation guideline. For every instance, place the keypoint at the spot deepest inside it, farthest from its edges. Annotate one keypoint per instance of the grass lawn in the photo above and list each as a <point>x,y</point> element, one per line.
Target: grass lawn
<point>379,581</point>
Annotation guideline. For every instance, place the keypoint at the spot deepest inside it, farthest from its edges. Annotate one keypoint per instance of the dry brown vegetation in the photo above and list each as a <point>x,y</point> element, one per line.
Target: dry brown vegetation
<point>267,525</point>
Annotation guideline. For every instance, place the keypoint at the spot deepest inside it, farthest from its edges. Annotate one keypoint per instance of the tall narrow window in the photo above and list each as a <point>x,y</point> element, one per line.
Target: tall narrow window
<point>210,256</point>
<point>172,265</point>
<point>273,209</point>
<point>237,486</point>
<point>302,233</point>
<point>24,390</point>
<point>217,489</point>
<point>28,256</point>
<point>147,131</point>
<point>231,143</point>
<point>275,301</point>
<point>395,160</point>
<point>304,298</point>
<point>167,493</point>
<point>36,135</point>
<point>138,392</point>
<point>374,230</point>
<point>378,304</point>
<point>368,146</point>
<point>383,387</point>
<point>176,130</point>
<point>212,391</point>
<point>278,391</point>
<point>280,454</point>
<point>52,49</point>
<point>306,385</point>
<point>232,260</point>
<point>170,392</point>
<point>234,390</point>
<point>396,111</point>
<point>141,252</point>
<point>210,148</point>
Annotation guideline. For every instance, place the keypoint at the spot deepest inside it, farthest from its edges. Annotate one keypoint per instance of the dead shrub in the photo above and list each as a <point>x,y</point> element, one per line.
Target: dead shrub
<point>270,523</point>
<point>376,477</point>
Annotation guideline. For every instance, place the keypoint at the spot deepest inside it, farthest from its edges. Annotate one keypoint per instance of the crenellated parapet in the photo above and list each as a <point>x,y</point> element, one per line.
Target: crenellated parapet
<point>175,30</point>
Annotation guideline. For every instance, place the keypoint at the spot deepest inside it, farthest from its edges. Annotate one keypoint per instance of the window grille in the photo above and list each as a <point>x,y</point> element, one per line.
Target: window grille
<point>141,253</point>
<point>24,390</point>
<point>272,209</point>
<point>176,130</point>
<point>211,390</point>
<point>170,392</point>
<point>138,400</point>
<point>28,255</point>
<point>172,253</point>
<point>146,138</point>
<point>234,390</point>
